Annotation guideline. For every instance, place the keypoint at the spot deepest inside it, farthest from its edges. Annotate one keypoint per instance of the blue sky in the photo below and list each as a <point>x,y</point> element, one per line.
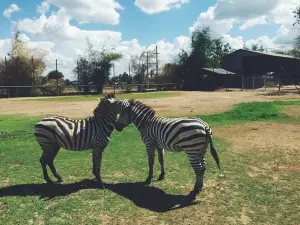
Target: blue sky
<point>60,26</point>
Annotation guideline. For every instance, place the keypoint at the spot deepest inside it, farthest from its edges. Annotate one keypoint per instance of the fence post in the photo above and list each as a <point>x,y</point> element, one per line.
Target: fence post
<point>253,82</point>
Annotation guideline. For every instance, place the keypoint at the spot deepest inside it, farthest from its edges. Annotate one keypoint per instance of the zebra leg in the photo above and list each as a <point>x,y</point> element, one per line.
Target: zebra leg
<point>53,169</point>
<point>44,160</point>
<point>98,159</point>
<point>198,164</point>
<point>151,155</point>
<point>161,162</point>
<point>94,168</point>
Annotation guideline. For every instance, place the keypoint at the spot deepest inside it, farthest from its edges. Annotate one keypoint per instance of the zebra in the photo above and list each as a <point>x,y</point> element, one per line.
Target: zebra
<point>191,135</point>
<point>53,133</point>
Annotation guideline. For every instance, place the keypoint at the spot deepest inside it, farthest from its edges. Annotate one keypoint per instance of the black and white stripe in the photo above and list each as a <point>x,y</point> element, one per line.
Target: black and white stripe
<point>191,135</point>
<point>53,133</point>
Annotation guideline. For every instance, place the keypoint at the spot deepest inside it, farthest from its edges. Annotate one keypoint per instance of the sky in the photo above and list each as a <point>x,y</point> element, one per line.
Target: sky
<point>60,27</point>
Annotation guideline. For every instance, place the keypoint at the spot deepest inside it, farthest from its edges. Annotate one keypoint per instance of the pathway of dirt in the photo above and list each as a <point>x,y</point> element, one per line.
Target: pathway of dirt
<point>187,103</point>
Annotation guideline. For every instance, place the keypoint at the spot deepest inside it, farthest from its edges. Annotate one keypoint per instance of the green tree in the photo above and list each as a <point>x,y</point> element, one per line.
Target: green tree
<point>296,50</point>
<point>55,75</point>
<point>22,67</point>
<point>94,67</point>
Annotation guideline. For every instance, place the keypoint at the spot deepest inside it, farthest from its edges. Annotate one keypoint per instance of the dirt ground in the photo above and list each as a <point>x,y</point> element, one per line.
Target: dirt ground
<point>184,103</point>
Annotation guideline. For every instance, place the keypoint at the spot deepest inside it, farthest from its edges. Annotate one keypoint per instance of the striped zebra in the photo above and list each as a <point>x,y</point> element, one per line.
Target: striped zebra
<point>53,133</point>
<point>190,135</point>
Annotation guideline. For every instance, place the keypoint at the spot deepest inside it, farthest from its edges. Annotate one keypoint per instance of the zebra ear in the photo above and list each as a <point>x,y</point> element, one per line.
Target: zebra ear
<point>131,102</point>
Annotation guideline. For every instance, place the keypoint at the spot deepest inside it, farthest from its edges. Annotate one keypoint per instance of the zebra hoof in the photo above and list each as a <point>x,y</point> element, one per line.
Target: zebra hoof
<point>148,181</point>
<point>161,177</point>
<point>191,196</point>
<point>59,180</point>
<point>49,181</point>
<point>100,185</point>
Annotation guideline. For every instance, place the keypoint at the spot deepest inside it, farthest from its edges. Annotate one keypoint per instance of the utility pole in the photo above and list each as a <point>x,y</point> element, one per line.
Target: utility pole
<point>147,61</point>
<point>78,83</point>
<point>156,54</point>
<point>114,79</point>
<point>57,78</point>
<point>129,73</point>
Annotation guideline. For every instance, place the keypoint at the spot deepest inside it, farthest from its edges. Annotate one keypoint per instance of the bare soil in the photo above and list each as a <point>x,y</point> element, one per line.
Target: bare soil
<point>185,103</point>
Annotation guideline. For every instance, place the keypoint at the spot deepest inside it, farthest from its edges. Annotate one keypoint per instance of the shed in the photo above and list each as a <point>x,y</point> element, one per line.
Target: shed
<point>214,78</point>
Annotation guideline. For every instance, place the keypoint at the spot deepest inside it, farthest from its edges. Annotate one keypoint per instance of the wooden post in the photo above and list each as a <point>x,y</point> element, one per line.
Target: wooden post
<point>265,81</point>
<point>242,74</point>
<point>279,82</point>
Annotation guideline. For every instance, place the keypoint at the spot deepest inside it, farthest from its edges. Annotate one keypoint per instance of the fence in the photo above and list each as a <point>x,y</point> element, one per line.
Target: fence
<point>62,90</point>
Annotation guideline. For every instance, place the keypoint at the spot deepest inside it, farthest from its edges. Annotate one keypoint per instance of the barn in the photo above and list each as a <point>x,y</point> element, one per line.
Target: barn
<point>252,66</point>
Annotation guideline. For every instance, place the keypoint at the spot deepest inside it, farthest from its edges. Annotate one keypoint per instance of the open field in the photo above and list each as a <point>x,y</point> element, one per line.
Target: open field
<point>257,142</point>
<point>165,103</point>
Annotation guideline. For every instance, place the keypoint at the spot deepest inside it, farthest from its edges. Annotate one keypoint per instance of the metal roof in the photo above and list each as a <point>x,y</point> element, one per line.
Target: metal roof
<point>266,53</point>
<point>218,71</point>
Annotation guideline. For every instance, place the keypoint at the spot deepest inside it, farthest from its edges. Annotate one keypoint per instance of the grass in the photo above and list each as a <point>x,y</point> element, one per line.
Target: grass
<point>252,111</point>
<point>95,97</point>
<point>230,196</point>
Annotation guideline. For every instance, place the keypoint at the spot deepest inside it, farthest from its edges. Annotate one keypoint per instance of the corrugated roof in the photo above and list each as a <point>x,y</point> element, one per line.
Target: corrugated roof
<point>269,53</point>
<point>218,70</point>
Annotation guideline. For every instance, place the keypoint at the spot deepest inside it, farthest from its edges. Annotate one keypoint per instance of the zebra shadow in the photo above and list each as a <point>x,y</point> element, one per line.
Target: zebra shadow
<point>151,198</point>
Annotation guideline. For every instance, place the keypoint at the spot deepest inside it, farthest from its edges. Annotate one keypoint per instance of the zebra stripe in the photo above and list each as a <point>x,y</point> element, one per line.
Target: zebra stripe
<point>53,133</point>
<point>190,135</point>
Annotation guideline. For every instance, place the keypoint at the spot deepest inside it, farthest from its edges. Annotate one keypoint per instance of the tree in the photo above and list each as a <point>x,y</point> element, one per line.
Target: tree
<point>22,67</point>
<point>205,52</point>
<point>94,67</point>
<point>296,50</point>
<point>55,75</point>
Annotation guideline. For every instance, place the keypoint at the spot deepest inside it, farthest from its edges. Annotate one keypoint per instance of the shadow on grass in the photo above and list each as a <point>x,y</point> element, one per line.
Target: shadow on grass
<point>151,198</point>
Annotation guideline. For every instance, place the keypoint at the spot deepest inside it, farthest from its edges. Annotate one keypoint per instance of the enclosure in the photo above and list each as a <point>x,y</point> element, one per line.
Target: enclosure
<point>256,135</point>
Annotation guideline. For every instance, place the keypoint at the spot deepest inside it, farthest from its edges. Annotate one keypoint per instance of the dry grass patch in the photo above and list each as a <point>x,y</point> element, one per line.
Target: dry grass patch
<point>262,138</point>
<point>292,111</point>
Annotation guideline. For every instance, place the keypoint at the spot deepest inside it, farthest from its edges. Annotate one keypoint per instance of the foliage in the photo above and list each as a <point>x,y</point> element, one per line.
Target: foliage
<point>94,67</point>
<point>142,64</point>
<point>55,75</point>
<point>122,78</point>
<point>68,82</point>
<point>22,68</point>
<point>296,50</point>
<point>205,52</point>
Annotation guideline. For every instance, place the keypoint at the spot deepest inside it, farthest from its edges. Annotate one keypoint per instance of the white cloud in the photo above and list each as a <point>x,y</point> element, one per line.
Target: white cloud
<point>218,27</point>
<point>85,11</point>
<point>43,8</point>
<point>244,10</point>
<point>157,6</point>
<point>255,21</point>
<point>69,41</point>
<point>12,8</point>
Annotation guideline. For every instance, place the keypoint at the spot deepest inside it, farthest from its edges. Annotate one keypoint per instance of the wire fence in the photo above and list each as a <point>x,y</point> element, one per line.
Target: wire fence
<point>63,90</point>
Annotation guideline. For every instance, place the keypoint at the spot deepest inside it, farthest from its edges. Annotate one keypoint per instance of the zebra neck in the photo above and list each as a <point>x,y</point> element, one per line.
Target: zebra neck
<point>141,122</point>
<point>105,120</point>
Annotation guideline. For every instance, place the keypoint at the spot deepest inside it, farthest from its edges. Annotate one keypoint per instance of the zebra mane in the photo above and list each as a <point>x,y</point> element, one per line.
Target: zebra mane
<point>103,100</point>
<point>142,106</point>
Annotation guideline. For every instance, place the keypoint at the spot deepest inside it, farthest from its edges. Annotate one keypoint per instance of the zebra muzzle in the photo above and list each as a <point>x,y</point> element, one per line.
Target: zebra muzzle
<point>119,127</point>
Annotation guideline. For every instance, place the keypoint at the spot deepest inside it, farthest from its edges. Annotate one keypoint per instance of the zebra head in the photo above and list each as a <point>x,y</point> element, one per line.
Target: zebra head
<point>134,112</point>
<point>109,107</point>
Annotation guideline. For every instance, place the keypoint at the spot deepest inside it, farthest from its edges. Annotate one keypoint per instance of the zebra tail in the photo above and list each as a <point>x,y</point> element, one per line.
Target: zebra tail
<point>214,152</point>
<point>212,148</point>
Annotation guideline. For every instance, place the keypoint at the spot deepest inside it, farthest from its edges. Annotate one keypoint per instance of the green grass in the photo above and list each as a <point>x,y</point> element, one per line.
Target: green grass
<point>252,111</point>
<point>95,97</point>
<point>230,196</point>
